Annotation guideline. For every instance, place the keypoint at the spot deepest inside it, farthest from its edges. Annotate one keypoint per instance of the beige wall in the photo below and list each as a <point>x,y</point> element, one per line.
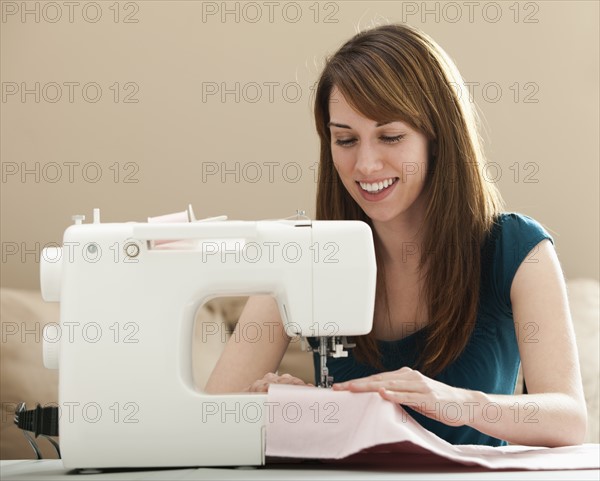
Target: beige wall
<point>534,72</point>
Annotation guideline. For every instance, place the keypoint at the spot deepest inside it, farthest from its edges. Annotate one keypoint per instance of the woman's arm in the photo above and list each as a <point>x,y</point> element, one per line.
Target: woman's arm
<point>554,413</point>
<point>244,361</point>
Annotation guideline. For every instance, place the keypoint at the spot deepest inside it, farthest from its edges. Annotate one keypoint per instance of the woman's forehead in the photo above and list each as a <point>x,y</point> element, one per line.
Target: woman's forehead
<point>344,115</point>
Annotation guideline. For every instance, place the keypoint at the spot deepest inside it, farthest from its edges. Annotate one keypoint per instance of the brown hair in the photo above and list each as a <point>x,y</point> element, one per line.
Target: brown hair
<point>395,72</point>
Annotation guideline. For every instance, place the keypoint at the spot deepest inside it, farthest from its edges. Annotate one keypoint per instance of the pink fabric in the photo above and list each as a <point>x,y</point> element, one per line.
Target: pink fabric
<point>309,422</point>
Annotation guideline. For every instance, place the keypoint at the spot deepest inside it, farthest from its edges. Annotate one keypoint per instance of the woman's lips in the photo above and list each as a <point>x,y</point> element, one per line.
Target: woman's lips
<point>378,195</point>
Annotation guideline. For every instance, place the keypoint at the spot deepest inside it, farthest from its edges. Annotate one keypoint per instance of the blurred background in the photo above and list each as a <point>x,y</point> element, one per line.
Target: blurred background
<point>141,108</point>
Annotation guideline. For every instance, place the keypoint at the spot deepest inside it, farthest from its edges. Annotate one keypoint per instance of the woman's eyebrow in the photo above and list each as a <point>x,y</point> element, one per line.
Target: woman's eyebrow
<point>344,126</point>
<point>335,124</point>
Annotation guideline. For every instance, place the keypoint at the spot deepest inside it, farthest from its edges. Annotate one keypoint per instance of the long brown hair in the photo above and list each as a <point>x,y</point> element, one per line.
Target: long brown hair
<point>396,72</point>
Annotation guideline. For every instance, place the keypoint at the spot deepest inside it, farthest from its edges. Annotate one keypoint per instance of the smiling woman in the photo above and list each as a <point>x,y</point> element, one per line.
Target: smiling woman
<point>360,161</point>
<point>394,82</point>
<point>460,282</point>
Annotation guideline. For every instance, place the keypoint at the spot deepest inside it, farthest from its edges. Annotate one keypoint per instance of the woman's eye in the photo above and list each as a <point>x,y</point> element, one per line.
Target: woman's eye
<point>391,140</point>
<point>345,142</point>
<point>384,138</point>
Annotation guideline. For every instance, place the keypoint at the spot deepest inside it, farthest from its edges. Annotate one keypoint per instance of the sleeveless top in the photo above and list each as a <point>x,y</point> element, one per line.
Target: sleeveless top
<point>490,361</point>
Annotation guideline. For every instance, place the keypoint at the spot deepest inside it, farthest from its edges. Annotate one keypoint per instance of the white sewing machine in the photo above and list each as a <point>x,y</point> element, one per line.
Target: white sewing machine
<point>129,293</point>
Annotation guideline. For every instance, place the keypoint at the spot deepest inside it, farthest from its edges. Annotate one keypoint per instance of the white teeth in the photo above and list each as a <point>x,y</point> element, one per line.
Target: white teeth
<point>378,186</point>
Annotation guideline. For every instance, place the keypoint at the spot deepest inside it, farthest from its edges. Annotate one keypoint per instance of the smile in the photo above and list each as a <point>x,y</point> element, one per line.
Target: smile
<point>377,187</point>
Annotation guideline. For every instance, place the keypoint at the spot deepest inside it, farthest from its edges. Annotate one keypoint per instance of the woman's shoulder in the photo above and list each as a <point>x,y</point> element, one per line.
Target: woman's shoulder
<point>516,231</point>
<point>512,240</point>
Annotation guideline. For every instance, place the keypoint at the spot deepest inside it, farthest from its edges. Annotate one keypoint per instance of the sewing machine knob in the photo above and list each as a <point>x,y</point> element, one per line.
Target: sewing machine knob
<point>131,249</point>
<point>50,273</point>
<point>51,346</point>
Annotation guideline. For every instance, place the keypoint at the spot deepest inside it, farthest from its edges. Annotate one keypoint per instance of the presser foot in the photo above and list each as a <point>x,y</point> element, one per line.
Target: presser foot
<point>334,347</point>
<point>326,381</point>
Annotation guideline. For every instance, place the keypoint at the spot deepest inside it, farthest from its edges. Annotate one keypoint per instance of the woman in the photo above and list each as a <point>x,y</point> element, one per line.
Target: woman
<point>465,292</point>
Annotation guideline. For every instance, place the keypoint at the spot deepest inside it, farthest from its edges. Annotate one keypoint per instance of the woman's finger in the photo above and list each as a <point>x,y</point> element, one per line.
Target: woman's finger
<point>392,385</point>
<point>383,376</point>
<point>262,385</point>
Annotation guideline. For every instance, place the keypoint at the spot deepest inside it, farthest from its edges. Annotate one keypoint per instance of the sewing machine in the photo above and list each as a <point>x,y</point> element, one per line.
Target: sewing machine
<point>129,293</point>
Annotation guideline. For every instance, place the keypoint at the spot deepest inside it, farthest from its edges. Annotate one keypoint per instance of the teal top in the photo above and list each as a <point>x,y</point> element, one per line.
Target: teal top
<point>490,361</point>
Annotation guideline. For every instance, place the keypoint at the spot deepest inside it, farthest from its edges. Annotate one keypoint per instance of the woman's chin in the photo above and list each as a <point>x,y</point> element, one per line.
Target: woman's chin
<point>381,215</point>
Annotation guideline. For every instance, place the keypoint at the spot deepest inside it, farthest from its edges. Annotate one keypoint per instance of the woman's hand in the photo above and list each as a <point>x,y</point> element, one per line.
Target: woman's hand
<point>449,405</point>
<point>262,385</point>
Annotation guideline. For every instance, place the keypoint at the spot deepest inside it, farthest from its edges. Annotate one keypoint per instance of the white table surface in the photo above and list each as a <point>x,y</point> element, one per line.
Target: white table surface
<point>52,469</point>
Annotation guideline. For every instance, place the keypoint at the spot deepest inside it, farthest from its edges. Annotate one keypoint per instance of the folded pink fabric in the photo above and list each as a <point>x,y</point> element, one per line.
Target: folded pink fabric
<point>314,423</point>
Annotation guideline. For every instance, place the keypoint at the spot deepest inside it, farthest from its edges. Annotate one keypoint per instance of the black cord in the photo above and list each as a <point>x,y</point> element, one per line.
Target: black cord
<point>40,421</point>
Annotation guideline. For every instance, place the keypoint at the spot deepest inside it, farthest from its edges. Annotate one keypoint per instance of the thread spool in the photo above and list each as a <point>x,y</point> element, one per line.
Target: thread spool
<point>184,216</point>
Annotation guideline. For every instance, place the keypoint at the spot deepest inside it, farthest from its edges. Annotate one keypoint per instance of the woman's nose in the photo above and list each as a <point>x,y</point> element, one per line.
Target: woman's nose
<point>368,159</point>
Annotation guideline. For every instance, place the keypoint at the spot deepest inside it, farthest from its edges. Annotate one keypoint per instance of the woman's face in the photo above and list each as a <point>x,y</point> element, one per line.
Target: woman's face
<point>383,166</point>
